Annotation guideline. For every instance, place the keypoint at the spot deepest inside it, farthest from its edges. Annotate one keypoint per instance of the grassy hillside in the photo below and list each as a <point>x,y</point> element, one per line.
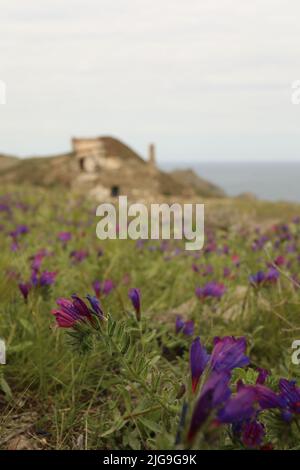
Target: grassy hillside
<point>111,381</point>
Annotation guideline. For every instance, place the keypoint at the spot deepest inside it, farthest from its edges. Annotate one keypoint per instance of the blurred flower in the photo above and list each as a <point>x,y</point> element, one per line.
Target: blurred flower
<point>186,327</point>
<point>19,230</point>
<point>134,295</point>
<point>260,278</point>
<point>103,288</point>
<point>215,392</point>
<point>198,361</point>
<point>25,289</point>
<point>47,278</point>
<point>280,261</point>
<point>64,237</point>
<point>79,255</point>
<point>210,290</point>
<point>235,260</point>
<point>272,275</point>
<point>257,279</point>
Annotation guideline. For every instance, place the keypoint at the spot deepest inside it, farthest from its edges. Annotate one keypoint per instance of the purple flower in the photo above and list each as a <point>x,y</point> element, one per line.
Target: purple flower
<point>253,434</point>
<point>290,393</point>
<point>72,311</point>
<point>79,255</point>
<point>261,278</point>
<point>19,230</point>
<point>134,295</point>
<point>64,237</point>
<point>257,279</point>
<point>25,289</point>
<point>272,275</point>
<point>214,393</point>
<point>38,258</point>
<point>240,407</point>
<point>198,361</point>
<point>262,375</point>
<point>95,305</point>
<point>103,288</point>
<point>186,327</point>
<point>210,290</point>
<point>228,353</point>
<point>267,398</point>
<point>47,278</point>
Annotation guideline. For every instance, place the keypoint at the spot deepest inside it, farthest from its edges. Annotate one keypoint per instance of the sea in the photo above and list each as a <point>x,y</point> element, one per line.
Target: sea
<point>272,181</point>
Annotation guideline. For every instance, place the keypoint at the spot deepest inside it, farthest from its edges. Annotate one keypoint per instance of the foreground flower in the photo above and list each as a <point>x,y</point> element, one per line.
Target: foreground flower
<point>198,361</point>
<point>228,353</point>
<point>134,295</point>
<point>253,434</point>
<point>240,407</point>
<point>210,290</point>
<point>290,393</point>
<point>72,311</point>
<point>215,392</point>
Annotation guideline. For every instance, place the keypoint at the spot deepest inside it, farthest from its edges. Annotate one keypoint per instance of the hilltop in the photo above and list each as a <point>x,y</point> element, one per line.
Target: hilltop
<point>102,167</point>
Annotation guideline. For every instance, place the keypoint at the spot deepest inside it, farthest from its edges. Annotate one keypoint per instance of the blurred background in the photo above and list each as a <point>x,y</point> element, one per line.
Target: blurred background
<point>210,83</point>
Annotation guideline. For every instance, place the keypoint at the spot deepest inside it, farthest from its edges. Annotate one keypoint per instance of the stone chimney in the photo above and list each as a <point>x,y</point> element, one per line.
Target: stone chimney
<point>151,155</point>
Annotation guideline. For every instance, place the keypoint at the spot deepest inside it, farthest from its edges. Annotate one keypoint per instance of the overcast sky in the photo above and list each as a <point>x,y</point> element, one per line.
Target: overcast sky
<point>203,79</point>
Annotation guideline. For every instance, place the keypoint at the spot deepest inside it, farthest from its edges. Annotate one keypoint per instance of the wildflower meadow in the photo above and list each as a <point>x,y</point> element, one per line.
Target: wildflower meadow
<point>123,344</point>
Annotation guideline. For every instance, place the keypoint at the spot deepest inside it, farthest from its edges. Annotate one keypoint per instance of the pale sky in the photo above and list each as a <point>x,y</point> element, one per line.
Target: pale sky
<point>203,79</point>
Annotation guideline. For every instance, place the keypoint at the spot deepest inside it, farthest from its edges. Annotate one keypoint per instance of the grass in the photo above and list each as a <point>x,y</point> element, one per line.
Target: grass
<point>57,397</point>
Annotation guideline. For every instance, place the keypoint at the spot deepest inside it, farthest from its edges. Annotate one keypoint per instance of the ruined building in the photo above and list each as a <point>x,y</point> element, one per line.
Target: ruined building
<point>103,168</point>
<point>111,168</point>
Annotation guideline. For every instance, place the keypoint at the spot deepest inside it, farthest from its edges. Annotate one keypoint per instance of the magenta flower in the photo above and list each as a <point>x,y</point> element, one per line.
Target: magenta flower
<point>210,290</point>
<point>72,311</point>
<point>64,237</point>
<point>228,353</point>
<point>38,258</point>
<point>134,295</point>
<point>280,261</point>
<point>198,361</point>
<point>186,327</point>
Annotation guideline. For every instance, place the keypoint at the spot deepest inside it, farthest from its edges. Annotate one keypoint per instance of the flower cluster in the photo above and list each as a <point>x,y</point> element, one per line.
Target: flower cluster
<point>70,312</point>
<point>219,401</point>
